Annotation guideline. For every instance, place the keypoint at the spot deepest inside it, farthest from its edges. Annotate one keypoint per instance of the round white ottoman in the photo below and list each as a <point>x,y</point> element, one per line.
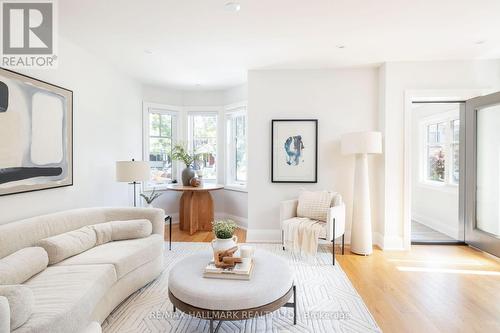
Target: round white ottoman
<point>269,288</point>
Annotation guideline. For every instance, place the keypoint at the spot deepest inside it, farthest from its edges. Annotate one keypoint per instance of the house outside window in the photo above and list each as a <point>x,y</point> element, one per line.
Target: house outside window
<point>160,134</point>
<point>202,138</point>
<point>441,150</point>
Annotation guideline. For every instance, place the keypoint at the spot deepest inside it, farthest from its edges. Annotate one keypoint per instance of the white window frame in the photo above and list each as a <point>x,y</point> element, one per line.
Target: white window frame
<point>231,111</point>
<point>163,109</point>
<point>204,111</point>
<point>447,118</point>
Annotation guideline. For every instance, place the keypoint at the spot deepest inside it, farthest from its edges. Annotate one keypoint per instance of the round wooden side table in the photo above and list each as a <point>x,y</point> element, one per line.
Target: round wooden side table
<point>197,207</point>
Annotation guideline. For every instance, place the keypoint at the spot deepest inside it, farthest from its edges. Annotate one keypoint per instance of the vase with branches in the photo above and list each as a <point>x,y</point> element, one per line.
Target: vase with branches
<point>181,153</point>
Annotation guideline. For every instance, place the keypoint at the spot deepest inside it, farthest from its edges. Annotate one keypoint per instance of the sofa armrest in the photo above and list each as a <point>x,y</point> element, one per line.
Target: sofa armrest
<point>155,215</point>
<point>336,212</point>
<point>288,209</point>
<point>4,315</point>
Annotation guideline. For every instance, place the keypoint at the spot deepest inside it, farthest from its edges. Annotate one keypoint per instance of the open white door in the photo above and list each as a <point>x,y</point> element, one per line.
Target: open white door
<point>482,173</point>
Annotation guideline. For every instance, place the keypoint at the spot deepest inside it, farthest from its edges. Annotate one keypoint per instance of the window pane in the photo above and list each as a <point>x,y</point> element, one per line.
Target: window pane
<point>436,163</point>
<point>441,132</point>
<point>432,133</point>
<point>154,124</point>
<point>204,143</point>
<point>160,162</point>
<point>241,150</point>
<point>166,126</point>
<point>456,164</point>
<point>456,130</point>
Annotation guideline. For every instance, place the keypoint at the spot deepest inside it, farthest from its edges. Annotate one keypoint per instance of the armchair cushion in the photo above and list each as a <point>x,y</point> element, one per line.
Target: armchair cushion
<point>314,205</point>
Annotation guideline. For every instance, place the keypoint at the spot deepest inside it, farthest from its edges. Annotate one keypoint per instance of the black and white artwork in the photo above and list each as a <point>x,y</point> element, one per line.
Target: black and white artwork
<point>36,134</point>
<point>294,151</point>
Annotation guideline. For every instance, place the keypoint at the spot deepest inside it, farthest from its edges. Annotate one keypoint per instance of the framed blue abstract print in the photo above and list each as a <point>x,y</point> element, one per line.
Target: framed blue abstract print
<point>36,134</point>
<point>294,153</point>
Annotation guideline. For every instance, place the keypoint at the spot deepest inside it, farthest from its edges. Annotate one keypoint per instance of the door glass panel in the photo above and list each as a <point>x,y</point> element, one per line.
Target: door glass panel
<point>488,170</point>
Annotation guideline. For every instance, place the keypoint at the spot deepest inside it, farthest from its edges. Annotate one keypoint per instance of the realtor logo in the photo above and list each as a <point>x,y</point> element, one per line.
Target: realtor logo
<point>28,34</point>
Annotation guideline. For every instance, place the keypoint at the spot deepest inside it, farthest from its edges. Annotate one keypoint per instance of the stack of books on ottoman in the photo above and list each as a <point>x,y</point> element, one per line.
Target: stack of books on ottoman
<point>238,272</point>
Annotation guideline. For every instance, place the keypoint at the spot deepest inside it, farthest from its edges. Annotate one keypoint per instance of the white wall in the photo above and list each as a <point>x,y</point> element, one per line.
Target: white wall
<point>399,78</point>
<point>227,203</point>
<point>435,206</point>
<point>107,128</point>
<point>343,101</point>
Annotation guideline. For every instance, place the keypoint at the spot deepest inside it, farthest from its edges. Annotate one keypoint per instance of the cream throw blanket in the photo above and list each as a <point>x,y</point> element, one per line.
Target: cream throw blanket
<point>301,234</point>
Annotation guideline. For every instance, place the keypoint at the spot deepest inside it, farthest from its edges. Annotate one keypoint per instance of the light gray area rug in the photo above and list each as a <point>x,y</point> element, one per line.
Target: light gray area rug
<point>327,302</point>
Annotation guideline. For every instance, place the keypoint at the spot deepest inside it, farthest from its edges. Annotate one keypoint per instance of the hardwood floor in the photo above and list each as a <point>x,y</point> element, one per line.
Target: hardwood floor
<point>200,236</point>
<point>433,288</point>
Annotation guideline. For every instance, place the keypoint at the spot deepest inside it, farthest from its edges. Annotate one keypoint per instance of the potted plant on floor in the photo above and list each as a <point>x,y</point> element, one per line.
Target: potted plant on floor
<point>224,234</point>
<point>149,198</point>
<point>180,153</point>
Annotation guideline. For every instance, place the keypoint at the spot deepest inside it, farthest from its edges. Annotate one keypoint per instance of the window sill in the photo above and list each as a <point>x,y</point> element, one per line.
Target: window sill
<point>236,188</point>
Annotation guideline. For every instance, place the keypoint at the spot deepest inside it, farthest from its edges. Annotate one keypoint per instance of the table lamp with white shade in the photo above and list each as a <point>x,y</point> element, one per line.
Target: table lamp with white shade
<point>132,172</point>
<point>361,144</point>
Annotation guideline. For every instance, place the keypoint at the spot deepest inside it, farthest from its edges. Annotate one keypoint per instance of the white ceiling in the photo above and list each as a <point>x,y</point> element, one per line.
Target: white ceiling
<point>197,44</point>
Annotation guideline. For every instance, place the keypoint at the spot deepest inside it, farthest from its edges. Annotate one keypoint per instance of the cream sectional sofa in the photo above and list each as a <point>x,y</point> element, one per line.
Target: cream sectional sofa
<point>78,293</point>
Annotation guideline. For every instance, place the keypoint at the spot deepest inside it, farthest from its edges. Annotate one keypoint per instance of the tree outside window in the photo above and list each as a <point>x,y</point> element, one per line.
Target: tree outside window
<point>442,151</point>
<point>203,141</point>
<point>160,146</point>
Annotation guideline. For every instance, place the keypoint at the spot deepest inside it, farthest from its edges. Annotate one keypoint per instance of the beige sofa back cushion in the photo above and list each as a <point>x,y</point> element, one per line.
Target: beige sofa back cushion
<point>22,265</point>
<point>121,230</point>
<point>68,244</point>
<point>18,235</point>
<point>314,205</point>
<point>21,302</point>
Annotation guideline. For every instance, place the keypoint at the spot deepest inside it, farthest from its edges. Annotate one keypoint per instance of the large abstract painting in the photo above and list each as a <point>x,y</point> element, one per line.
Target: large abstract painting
<point>294,151</point>
<point>36,134</point>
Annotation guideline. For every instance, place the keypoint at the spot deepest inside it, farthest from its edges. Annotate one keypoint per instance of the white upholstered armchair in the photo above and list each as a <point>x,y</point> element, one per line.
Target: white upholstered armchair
<point>332,228</point>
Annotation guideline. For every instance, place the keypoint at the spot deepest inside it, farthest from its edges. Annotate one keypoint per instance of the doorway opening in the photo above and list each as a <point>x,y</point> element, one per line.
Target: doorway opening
<point>436,164</point>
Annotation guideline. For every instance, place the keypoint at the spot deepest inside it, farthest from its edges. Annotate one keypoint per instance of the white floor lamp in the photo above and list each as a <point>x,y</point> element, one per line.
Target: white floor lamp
<point>361,144</point>
<point>132,172</point>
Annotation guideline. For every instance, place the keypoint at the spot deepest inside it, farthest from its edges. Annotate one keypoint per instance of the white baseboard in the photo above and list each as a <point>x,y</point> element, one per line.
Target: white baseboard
<point>437,225</point>
<point>274,235</point>
<point>391,242</point>
<point>378,239</point>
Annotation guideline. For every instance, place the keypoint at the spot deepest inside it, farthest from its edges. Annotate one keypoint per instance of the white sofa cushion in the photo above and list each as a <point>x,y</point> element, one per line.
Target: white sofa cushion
<point>4,315</point>
<point>314,205</point>
<point>65,297</point>
<point>68,244</point>
<point>121,230</point>
<point>23,264</point>
<point>125,255</point>
<point>21,302</point>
